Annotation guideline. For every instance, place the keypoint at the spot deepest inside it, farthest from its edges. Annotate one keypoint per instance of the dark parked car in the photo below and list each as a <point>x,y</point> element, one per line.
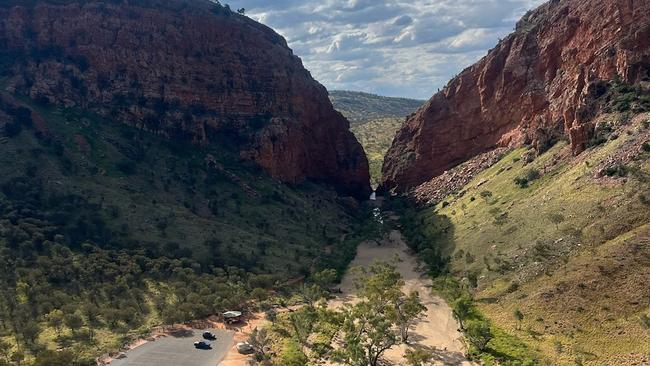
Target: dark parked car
<point>202,345</point>
<point>209,335</point>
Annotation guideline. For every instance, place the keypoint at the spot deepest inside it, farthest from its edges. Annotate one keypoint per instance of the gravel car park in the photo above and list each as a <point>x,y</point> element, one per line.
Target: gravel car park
<point>179,349</point>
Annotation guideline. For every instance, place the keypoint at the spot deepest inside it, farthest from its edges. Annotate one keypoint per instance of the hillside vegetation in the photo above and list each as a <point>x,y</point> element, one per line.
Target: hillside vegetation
<point>360,107</point>
<point>107,231</point>
<point>373,120</point>
<point>555,249</point>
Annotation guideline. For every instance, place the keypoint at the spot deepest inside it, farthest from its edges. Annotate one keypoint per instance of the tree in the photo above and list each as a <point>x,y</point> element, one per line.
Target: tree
<point>260,341</point>
<point>112,317</point>
<point>310,294</point>
<point>52,358</point>
<point>462,309</point>
<point>259,294</point>
<point>408,310</point>
<point>367,334</point>
<point>73,321</point>
<point>55,320</point>
<point>479,334</point>
<point>30,331</point>
<point>519,316</point>
<point>302,323</point>
<point>18,357</point>
<point>380,320</point>
<point>418,356</point>
<point>325,278</point>
<point>5,348</point>
<point>241,11</point>
<point>91,312</point>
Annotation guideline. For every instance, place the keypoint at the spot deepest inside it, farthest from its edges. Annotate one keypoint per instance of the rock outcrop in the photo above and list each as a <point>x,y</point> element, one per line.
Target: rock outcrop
<point>191,70</point>
<point>538,83</point>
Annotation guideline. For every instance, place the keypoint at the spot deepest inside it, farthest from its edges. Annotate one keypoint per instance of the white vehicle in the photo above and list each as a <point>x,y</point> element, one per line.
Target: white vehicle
<point>244,348</point>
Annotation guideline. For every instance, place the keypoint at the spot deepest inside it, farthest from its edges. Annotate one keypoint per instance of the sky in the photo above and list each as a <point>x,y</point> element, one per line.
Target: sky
<point>403,48</point>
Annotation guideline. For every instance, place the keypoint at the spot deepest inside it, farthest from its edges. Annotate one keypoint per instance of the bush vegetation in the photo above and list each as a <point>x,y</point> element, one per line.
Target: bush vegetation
<point>101,242</point>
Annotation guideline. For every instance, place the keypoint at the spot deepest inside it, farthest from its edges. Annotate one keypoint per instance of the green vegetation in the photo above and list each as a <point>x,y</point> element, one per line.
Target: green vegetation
<point>555,269</point>
<point>374,121</point>
<point>360,107</point>
<point>108,231</point>
<point>356,334</point>
<point>376,137</point>
<point>527,178</point>
<point>380,320</point>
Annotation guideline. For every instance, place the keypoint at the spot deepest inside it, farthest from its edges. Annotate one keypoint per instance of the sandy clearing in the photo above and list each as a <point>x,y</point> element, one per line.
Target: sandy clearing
<point>437,330</point>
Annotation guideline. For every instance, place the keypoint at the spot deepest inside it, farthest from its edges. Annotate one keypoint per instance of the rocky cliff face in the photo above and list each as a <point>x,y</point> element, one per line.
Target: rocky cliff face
<point>538,83</point>
<point>184,69</point>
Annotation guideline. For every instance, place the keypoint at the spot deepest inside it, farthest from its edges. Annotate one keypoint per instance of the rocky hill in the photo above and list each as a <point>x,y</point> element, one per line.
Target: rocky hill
<point>546,81</point>
<point>186,70</point>
<point>361,107</point>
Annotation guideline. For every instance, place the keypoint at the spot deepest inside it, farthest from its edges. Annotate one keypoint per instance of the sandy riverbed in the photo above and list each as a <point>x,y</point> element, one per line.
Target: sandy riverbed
<point>437,330</point>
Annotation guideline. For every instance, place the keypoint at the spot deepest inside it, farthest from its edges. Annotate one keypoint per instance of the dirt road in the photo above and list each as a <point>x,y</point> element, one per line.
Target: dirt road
<point>437,330</point>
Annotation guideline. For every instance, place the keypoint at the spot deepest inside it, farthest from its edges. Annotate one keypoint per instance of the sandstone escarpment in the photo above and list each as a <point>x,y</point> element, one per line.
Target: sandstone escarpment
<point>537,84</point>
<point>189,70</point>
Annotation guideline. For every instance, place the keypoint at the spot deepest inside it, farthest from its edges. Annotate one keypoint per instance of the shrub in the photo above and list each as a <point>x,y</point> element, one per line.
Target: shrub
<point>513,287</point>
<point>616,170</point>
<point>643,199</point>
<point>521,182</point>
<point>530,176</point>
<point>601,134</point>
<point>479,334</point>
<point>292,354</point>
<point>646,146</point>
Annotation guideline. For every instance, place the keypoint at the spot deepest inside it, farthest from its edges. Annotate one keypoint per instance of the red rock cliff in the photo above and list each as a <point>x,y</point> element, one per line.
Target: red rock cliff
<point>187,70</point>
<point>536,83</point>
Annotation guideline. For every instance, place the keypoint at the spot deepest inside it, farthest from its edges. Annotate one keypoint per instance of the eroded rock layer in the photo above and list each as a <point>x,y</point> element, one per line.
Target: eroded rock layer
<point>185,69</point>
<point>539,83</point>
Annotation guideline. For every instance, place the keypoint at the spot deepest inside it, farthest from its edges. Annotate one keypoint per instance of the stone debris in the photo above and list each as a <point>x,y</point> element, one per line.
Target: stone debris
<point>435,190</point>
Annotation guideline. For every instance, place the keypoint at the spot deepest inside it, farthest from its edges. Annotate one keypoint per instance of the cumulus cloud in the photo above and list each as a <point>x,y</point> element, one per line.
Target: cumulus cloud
<point>407,48</point>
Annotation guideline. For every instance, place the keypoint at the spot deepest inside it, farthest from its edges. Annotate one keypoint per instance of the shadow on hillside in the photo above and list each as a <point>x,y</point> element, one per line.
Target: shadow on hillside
<point>431,237</point>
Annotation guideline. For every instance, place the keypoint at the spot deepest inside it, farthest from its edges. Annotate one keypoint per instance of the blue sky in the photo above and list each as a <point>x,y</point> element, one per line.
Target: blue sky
<point>407,48</point>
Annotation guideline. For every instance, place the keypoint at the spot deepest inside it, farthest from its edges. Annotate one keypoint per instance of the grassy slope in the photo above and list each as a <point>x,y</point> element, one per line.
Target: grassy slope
<point>374,121</point>
<point>168,195</point>
<point>577,279</point>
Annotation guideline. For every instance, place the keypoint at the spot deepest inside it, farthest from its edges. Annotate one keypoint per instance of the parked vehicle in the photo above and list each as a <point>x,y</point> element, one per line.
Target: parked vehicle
<point>202,345</point>
<point>244,348</point>
<point>209,335</point>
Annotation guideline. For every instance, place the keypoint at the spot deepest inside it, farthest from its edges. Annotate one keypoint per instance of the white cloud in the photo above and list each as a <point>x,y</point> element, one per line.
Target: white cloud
<point>405,48</point>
